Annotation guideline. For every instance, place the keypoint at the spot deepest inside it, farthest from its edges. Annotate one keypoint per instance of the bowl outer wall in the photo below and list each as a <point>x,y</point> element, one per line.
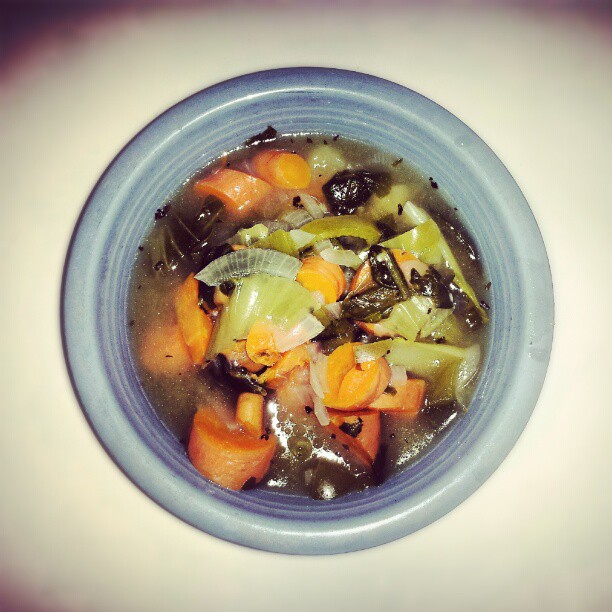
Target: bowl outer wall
<point>149,169</point>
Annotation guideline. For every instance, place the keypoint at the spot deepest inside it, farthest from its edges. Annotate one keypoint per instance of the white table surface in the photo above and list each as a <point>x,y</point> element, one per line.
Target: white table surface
<point>75,534</point>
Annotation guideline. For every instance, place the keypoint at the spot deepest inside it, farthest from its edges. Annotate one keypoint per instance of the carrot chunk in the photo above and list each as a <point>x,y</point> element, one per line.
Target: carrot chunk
<point>278,374</point>
<point>249,413</point>
<point>363,428</point>
<point>339,364</point>
<point>164,352</point>
<point>408,398</point>
<point>238,356</point>
<point>282,169</point>
<point>227,457</point>
<point>316,274</point>
<point>239,191</point>
<point>195,325</point>
<point>260,344</point>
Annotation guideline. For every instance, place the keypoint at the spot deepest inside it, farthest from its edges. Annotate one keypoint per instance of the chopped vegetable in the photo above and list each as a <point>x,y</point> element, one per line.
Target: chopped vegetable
<point>423,242</point>
<point>238,357</point>
<point>249,413</point>
<point>277,375</point>
<point>282,169</point>
<point>195,325</point>
<point>408,398</point>
<point>316,274</point>
<point>250,235</point>
<point>164,352</point>
<point>363,427</point>
<point>325,160</point>
<point>260,344</point>
<point>228,457</point>
<point>342,257</point>
<point>246,262</point>
<point>280,241</point>
<point>239,192</point>
<point>371,306</point>
<point>379,207</point>
<point>347,225</point>
<point>280,301</point>
<point>386,272</point>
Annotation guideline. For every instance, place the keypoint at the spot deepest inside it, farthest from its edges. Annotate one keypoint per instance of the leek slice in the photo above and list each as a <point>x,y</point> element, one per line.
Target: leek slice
<point>450,370</point>
<point>280,241</point>
<point>342,225</point>
<point>246,262</point>
<point>417,316</point>
<point>418,216</point>
<point>423,242</point>
<point>249,235</point>
<point>281,301</point>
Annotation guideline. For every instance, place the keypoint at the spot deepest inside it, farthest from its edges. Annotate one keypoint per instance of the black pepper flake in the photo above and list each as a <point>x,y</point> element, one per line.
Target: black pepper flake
<point>309,140</point>
<point>297,202</point>
<point>158,266</point>
<point>429,311</point>
<point>397,162</point>
<point>131,323</point>
<point>333,436</point>
<point>324,141</point>
<point>484,305</point>
<point>268,134</point>
<point>338,454</point>
<point>392,435</point>
<point>140,248</point>
<point>160,213</point>
<point>345,446</point>
<point>169,356</point>
<point>320,175</point>
<point>268,430</point>
<point>488,286</point>
<point>139,287</point>
<point>400,209</point>
<point>291,140</point>
<point>228,164</point>
<point>336,137</point>
<point>433,183</point>
<point>454,208</point>
<point>308,409</point>
<point>441,340</point>
<point>264,436</point>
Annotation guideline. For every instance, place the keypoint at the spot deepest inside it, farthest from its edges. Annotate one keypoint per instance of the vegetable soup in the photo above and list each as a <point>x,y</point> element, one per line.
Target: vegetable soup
<point>306,315</point>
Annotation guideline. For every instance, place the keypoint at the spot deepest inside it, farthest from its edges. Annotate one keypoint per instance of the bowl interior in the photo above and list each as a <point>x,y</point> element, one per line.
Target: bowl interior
<point>119,214</point>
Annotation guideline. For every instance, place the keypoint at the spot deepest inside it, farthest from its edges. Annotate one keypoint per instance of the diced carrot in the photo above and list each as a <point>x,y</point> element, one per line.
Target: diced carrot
<point>339,364</point>
<point>195,325</point>
<point>227,457</point>
<point>237,355</point>
<point>363,280</point>
<point>407,399</point>
<point>366,422</point>
<point>282,169</point>
<point>249,413</point>
<point>260,344</point>
<point>164,352</point>
<point>316,274</point>
<point>239,191</point>
<point>275,376</point>
<point>354,385</point>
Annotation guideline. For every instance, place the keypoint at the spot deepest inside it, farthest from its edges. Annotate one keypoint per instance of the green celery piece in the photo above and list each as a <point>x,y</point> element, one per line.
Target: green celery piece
<point>280,240</point>
<point>249,235</point>
<point>342,225</point>
<point>423,242</point>
<point>419,217</point>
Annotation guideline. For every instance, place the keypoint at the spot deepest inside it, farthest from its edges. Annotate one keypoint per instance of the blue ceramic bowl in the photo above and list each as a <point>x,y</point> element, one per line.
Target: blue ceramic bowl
<point>153,165</point>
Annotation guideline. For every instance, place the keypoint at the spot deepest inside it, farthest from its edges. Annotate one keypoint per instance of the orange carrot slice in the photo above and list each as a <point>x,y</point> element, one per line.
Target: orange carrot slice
<point>282,169</point>
<point>278,374</point>
<point>408,398</point>
<point>238,356</point>
<point>339,364</point>
<point>240,192</point>
<point>316,274</point>
<point>195,325</point>
<point>227,457</point>
<point>249,413</point>
<point>260,344</point>
<point>367,422</point>
<point>164,352</point>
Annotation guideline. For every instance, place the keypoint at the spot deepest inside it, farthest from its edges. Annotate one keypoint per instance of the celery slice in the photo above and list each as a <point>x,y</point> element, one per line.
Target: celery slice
<point>281,241</point>
<point>281,301</point>
<point>423,242</point>
<point>342,225</point>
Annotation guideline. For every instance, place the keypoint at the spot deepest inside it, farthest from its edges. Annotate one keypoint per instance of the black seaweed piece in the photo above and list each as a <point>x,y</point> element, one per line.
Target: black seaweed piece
<point>352,429</point>
<point>347,190</point>
<point>234,377</point>
<point>227,288</point>
<point>386,272</point>
<point>206,295</point>
<point>372,305</point>
<point>431,285</point>
<point>268,134</point>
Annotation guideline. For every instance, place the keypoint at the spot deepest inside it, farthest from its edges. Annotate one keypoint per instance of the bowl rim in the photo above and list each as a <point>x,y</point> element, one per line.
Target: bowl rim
<point>329,537</point>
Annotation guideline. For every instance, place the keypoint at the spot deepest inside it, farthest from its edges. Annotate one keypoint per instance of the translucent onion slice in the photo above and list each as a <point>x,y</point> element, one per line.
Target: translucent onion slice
<point>300,238</point>
<point>320,411</point>
<point>342,257</point>
<point>466,373</point>
<point>246,262</point>
<point>398,376</point>
<point>318,371</point>
<point>312,206</point>
<point>297,218</point>
<point>305,330</point>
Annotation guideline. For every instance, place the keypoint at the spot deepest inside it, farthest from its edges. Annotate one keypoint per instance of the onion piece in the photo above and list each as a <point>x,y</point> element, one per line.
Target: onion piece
<point>466,373</point>
<point>334,310</point>
<point>246,262</point>
<point>398,376</point>
<point>300,238</point>
<point>318,371</point>
<point>320,411</point>
<point>312,206</point>
<point>305,330</point>
<point>297,218</point>
<point>342,257</point>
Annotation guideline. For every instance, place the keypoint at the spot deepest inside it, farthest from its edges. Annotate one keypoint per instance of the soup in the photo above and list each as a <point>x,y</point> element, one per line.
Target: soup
<point>306,316</point>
